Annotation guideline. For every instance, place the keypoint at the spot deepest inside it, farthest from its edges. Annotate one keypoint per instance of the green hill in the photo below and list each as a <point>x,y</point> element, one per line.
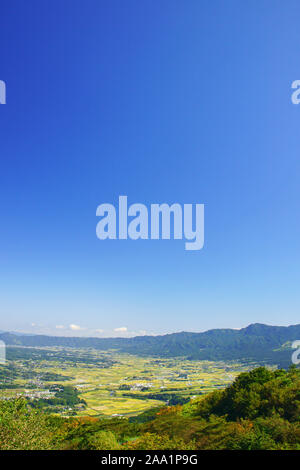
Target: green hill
<point>260,410</point>
<point>260,343</point>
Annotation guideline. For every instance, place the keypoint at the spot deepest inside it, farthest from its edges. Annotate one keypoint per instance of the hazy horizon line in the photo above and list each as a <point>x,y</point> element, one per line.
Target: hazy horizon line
<point>129,335</point>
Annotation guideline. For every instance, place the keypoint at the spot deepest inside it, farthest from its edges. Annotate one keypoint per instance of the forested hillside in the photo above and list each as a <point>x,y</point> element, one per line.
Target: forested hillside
<point>260,410</point>
<point>260,343</point>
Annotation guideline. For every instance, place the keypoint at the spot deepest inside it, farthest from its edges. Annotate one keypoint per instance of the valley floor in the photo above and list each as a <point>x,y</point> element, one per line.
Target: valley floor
<point>108,383</point>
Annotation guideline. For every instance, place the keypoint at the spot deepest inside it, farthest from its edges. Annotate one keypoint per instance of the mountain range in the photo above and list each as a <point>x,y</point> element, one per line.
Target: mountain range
<point>257,342</point>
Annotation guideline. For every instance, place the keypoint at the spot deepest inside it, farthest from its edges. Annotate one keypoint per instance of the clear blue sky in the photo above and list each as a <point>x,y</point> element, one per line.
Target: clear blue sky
<point>163,101</point>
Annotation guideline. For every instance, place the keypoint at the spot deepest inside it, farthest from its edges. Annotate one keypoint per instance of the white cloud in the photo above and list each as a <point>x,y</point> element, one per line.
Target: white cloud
<point>59,327</point>
<point>99,330</point>
<point>76,327</point>
<point>122,329</point>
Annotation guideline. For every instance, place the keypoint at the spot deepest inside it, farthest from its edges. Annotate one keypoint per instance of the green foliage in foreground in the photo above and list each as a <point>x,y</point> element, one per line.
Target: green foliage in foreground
<point>260,410</point>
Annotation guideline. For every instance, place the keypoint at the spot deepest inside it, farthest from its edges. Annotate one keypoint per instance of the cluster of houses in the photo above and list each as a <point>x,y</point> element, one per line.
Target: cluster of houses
<point>140,386</point>
<point>31,395</point>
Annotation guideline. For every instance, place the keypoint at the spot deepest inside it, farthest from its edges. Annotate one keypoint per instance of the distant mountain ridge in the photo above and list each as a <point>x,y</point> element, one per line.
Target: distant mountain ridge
<point>257,342</point>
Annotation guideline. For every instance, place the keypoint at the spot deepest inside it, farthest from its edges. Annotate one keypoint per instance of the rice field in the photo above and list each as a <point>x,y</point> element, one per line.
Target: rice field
<point>115,384</point>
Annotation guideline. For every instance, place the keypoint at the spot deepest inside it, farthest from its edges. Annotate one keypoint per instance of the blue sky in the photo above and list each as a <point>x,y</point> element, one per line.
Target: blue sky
<point>170,101</point>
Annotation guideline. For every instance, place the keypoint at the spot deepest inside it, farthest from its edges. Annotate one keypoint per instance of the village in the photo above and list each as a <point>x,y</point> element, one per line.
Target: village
<point>97,383</point>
